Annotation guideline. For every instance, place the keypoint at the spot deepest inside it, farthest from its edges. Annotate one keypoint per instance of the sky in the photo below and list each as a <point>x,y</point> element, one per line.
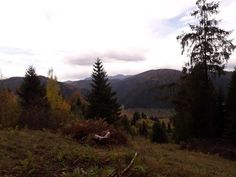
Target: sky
<point>130,36</point>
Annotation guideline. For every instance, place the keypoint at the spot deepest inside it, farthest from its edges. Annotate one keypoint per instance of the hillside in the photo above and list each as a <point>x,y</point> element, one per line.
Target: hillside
<point>143,90</point>
<point>13,84</point>
<point>41,153</point>
<point>140,90</point>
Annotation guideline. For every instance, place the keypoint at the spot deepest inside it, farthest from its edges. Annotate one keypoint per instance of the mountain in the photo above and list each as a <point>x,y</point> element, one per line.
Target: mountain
<point>144,90</point>
<point>140,90</point>
<point>14,83</point>
<point>116,77</point>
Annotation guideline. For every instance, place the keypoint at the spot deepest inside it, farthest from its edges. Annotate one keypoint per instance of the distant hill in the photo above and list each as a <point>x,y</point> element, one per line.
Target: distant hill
<point>116,77</point>
<point>143,90</point>
<point>14,83</point>
<point>140,90</point>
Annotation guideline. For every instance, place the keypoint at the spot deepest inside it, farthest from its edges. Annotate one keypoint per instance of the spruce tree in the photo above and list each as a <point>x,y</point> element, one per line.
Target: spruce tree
<point>209,48</point>
<point>230,130</point>
<point>143,130</point>
<point>158,133</point>
<point>33,100</point>
<point>103,101</point>
<point>136,117</point>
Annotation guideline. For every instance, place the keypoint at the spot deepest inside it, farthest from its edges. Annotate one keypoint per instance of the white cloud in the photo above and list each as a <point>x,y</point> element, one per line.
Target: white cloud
<point>55,30</point>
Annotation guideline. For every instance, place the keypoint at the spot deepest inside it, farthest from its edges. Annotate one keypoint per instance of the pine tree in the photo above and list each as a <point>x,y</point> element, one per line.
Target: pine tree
<point>143,130</point>
<point>103,101</point>
<point>208,45</point>
<point>220,114</point>
<point>208,48</point>
<point>136,117</point>
<point>230,130</point>
<point>158,133</point>
<point>125,123</point>
<point>33,101</point>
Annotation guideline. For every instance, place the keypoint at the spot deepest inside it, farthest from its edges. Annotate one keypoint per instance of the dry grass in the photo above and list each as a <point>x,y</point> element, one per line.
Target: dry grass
<point>37,153</point>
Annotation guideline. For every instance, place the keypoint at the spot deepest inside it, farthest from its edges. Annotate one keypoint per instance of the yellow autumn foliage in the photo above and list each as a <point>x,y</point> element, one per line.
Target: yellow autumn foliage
<point>60,109</point>
<point>9,109</point>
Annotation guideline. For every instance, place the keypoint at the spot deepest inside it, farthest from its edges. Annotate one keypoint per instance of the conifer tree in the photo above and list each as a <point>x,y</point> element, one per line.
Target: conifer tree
<point>103,101</point>
<point>33,101</point>
<point>230,130</point>
<point>136,117</point>
<point>158,133</point>
<point>143,130</point>
<point>209,48</point>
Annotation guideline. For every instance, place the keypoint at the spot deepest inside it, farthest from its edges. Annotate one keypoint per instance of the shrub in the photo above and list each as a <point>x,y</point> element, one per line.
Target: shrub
<point>84,131</point>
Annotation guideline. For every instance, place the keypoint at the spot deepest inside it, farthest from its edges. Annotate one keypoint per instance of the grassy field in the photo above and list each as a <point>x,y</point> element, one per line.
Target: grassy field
<point>41,153</point>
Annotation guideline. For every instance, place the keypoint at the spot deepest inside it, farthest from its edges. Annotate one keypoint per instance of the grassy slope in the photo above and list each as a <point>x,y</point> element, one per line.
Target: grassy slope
<point>36,153</point>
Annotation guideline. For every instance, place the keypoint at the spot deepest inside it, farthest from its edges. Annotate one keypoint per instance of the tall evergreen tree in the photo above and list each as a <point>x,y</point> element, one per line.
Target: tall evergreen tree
<point>208,45</point>
<point>220,114</point>
<point>33,101</point>
<point>208,48</point>
<point>103,101</point>
<point>158,133</point>
<point>230,130</point>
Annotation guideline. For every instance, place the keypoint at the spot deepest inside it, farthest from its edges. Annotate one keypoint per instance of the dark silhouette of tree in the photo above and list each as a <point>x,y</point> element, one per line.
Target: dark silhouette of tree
<point>103,101</point>
<point>34,103</point>
<point>158,133</point>
<point>208,45</point>
<point>125,123</point>
<point>220,113</point>
<point>230,130</point>
<point>136,117</point>
<point>143,115</point>
<point>208,48</point>
<point>143,130</point>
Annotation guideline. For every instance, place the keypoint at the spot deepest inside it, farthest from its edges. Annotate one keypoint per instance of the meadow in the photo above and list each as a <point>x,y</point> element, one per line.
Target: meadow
<point>43,153</point>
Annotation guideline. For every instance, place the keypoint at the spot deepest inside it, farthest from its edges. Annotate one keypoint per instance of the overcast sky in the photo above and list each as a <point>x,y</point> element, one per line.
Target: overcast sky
<point>130,36</point>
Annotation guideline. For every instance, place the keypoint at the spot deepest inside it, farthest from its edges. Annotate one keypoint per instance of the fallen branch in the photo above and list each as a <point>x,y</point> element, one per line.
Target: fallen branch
<point>115,174</point>
<point>100,138</point>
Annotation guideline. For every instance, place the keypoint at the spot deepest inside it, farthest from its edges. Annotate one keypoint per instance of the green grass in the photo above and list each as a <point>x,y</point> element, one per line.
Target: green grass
<point>37,153</point>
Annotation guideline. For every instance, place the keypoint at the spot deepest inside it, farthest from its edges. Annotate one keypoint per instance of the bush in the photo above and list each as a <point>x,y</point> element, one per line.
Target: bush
<point>84,131</point>
<point>158,133</point>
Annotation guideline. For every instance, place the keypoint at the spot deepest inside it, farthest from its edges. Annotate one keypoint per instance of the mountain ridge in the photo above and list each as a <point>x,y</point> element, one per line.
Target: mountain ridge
<point>140,90</point>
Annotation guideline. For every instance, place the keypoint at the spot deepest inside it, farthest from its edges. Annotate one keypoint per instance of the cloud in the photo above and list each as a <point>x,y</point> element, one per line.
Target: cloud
<point>87,59</point>
<point>15,51</point>
<point>83,60</point>
<point>231,65</point>
<point>128,55</point>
